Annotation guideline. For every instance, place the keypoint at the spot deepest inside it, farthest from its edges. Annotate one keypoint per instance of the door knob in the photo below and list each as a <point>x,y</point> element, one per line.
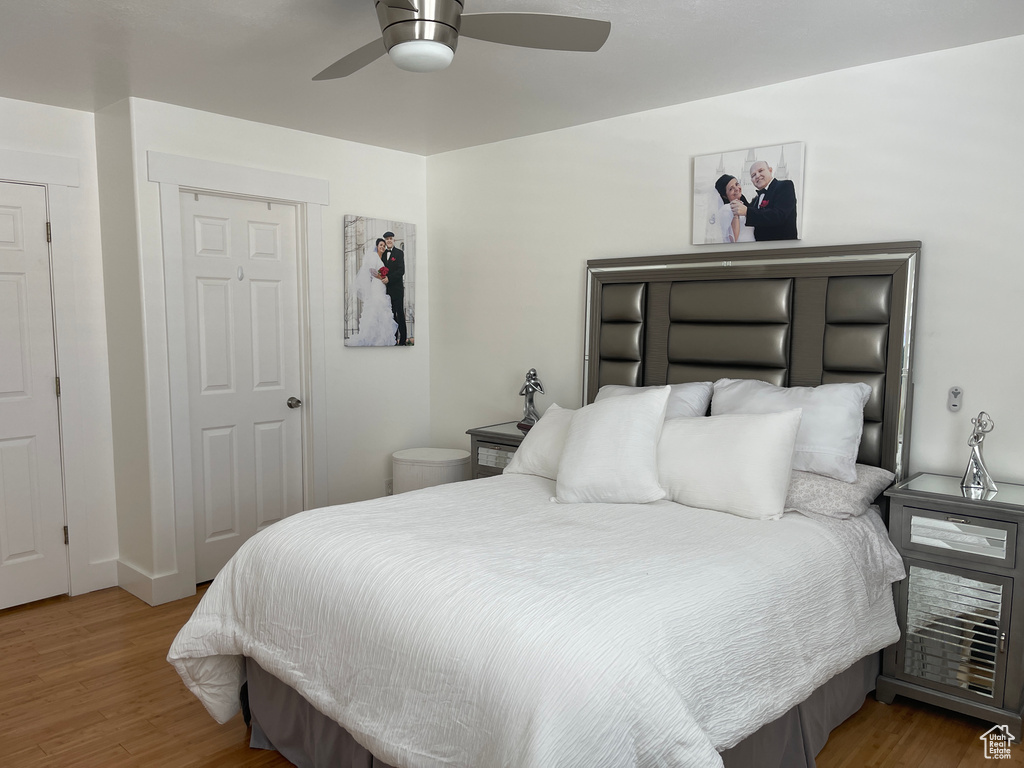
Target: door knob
<point>294,402</point>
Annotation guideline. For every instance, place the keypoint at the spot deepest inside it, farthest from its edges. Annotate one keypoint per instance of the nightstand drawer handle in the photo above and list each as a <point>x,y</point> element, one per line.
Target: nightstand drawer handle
<point>957,520</point>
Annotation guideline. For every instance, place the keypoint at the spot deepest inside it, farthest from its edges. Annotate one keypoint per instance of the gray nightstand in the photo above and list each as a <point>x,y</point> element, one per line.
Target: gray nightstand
<point>960,609</point>
<point>492,448</point>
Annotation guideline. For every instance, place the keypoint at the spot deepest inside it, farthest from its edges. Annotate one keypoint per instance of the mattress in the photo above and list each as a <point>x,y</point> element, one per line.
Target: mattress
<point>482,624</point>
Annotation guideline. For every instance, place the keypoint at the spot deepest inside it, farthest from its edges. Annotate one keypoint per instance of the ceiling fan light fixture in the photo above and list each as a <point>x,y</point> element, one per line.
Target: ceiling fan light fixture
<point>421,55</point>
<point>422,35</point>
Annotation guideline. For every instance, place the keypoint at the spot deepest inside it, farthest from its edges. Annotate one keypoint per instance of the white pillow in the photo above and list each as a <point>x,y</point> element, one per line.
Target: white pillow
<point>830,428</point>
<point>611,451</point>
<point>819,495</point>
<point>542,446</point>
<point>689,399</point>
<point>735,463</point>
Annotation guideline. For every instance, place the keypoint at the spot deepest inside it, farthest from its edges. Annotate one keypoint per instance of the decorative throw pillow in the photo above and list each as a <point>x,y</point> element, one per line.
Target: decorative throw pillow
<point>737,463</point>
<point>816,494</point>
<point>542,446</point>
<point>611,451</point>
<point>830,428</point>
<point>689,399</point>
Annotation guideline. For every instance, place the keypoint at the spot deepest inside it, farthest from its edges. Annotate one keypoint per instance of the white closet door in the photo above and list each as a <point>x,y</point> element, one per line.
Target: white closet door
<point>241,308</point>
<point>33,557</point>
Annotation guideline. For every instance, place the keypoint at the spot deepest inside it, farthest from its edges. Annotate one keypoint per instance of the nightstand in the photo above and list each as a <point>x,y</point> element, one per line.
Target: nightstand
<point>961,608</point>
<point>492,448</point>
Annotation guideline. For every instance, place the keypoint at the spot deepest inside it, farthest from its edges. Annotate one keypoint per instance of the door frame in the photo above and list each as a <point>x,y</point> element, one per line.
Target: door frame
<point>175,174</point>
<point>58,175</point>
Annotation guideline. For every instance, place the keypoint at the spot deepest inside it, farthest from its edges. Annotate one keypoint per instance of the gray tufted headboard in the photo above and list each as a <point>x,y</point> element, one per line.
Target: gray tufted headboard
<point>791,317</point>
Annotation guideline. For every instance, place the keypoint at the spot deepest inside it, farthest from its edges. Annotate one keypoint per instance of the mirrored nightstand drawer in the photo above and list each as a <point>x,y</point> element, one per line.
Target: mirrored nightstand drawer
<point>492,447</point>
<point>961,537</point>
<point>494,455</point>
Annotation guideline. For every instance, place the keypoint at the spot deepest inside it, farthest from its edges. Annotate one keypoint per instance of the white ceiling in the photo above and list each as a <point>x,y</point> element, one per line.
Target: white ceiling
<point>254,59</point>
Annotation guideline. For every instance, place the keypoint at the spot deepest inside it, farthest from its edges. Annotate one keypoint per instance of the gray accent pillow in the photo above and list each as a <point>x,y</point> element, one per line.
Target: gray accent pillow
<point>817,494</point>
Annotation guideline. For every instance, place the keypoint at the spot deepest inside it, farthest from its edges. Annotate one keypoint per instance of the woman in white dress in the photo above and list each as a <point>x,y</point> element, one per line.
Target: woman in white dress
<point>377,326</point>
<point>734,228</point>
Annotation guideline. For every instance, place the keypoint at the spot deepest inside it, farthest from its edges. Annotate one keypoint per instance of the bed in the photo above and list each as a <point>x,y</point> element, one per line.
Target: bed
<point>529,620</point>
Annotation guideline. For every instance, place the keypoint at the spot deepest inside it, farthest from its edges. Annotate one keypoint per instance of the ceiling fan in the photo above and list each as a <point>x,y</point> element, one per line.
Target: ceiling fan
<point>421,35</point>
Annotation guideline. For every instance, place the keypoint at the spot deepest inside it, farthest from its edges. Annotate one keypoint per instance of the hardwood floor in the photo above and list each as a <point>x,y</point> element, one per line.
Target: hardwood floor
<point>908,734</point>
<point>83,682</point>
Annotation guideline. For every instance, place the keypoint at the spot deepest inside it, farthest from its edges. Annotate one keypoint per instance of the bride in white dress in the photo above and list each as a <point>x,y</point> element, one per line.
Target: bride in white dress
<point>377,326</point>
<point>734,228</point>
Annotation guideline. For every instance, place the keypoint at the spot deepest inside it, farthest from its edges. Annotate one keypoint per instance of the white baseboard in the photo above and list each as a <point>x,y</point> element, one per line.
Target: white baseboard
<point>96,576</point>
<point>155,590</point>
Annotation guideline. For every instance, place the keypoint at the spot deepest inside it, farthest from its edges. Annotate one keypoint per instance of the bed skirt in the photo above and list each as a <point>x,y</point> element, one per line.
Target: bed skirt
<point>281,719</point>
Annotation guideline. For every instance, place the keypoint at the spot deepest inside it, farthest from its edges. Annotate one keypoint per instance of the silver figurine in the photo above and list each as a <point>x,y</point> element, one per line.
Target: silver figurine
<point>977,482</point>
<point>530,386</point>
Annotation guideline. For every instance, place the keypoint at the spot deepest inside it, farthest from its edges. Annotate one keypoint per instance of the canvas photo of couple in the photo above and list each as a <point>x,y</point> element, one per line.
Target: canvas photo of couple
<point>380,266</point>
<point>748,195</point>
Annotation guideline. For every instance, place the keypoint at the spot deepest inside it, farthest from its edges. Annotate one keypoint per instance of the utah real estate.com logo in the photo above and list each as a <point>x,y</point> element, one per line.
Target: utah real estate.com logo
<point>997,742</point>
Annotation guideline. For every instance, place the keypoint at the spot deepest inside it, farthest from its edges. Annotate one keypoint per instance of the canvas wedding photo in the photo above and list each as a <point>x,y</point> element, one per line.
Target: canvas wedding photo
<point>748,195</point>
<point>380,285</point>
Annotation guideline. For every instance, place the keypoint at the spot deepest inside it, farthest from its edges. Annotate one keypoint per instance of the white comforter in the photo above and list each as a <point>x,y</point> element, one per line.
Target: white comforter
<point>482,624</point>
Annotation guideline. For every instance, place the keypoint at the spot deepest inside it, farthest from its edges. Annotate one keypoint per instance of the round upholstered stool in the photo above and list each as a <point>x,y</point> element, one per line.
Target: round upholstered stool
<point>423,467</point>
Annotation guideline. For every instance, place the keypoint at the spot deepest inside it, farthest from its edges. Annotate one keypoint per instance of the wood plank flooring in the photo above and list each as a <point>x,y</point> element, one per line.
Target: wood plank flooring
<point>83,682</point>
<point>908,734</point>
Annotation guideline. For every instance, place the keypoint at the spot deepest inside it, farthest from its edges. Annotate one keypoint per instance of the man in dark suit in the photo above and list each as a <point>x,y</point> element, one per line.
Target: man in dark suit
<point>772,212</point>
<point>394,283</point>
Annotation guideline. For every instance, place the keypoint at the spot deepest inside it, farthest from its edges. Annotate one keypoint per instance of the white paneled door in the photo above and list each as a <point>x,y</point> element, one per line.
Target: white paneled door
<point>33,556</point>
<point>242,317</point>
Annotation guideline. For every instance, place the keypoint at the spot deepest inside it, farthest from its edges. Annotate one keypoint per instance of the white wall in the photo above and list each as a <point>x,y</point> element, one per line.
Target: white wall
<point>80,328</point>
<point>378,399</point>
<point>920,148</point>
<point>924,148</point>
<point>363,180</point>
<point>126,337</point>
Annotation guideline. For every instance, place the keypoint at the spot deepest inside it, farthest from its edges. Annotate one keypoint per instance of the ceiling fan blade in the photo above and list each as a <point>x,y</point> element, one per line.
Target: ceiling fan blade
<point>537,30</point>
<point>405,5</point>
<point>354,61</point>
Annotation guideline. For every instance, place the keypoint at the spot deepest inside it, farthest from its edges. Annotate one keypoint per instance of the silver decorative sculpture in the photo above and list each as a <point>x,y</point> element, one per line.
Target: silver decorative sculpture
<point>530,386</point>
<point>977,482</point>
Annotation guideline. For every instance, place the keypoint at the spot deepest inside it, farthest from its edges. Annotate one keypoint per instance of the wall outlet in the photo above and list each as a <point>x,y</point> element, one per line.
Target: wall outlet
<point>389,487</point>
<point>955,399</point>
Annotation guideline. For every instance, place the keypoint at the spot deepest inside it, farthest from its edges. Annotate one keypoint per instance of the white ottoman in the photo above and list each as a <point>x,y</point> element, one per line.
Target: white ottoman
<point>423,467</point>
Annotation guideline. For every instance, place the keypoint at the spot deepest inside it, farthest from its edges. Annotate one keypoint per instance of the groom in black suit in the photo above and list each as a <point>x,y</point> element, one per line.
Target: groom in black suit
<point>394,260</point>
<point>772,212</point>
